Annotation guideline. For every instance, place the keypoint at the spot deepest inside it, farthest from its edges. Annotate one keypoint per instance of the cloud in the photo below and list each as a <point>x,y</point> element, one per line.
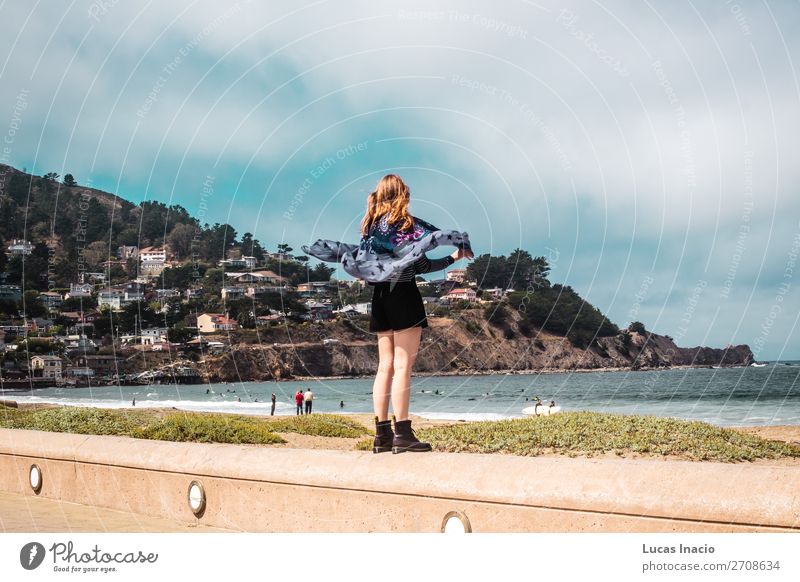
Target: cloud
<point>636,139</point>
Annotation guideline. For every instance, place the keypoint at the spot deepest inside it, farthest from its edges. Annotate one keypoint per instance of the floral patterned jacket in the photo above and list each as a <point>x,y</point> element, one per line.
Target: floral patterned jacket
<point>386,250</point>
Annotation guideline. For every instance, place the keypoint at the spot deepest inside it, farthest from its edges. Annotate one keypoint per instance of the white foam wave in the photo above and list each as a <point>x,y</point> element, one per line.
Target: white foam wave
<point>469,416</point>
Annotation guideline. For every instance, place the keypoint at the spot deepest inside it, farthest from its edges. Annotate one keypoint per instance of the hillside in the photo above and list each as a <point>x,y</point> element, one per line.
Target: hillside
<point>448,347</point>
<point>73,228</point>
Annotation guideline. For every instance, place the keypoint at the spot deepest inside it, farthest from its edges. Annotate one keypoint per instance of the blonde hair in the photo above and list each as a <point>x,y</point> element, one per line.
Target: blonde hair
<point>391,197</point>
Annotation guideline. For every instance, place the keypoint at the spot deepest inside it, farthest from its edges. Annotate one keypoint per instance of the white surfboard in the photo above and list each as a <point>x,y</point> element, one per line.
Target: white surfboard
<point>541,410</point>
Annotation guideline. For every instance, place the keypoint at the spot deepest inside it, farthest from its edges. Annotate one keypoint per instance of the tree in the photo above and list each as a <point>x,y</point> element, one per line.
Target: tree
<point>487,271</point>
<point>217,239</point>
<point>251,247</point>
<point>96,252</point>
<point>321,272</point>
<point>638,327</point>
<point>3,256</point>
<point>180,333</point>
<point>137,316</point>
<point>69,180</point>
<point>180,240</point>
<point>180,277</point>
<point>33,304</point>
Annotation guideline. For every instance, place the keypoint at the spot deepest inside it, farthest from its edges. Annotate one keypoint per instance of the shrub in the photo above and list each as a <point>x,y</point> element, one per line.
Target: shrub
<point>592,433</point>
<point>496,314</point>
<point>204,428</point>
<point>638,327</point>
<point>329,425</point>
<point>473,328</point>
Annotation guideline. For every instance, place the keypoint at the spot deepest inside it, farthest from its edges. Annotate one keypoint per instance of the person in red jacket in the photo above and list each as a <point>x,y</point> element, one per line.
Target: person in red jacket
<point>298,399</point>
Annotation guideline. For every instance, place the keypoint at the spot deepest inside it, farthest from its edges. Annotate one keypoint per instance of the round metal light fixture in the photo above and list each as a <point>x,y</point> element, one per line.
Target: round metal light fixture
<point>35,478</point>
<point>456,522</point>
<point>196,496</point>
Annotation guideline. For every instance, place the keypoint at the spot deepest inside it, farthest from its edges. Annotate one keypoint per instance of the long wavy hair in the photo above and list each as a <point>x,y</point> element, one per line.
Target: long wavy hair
<point>391,197</point>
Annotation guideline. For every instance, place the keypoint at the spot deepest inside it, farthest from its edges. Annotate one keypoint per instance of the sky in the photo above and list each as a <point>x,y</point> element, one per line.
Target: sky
<point>647,149</point>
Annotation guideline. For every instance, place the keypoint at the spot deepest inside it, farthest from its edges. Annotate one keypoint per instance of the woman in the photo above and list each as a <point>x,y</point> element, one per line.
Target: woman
<point>390,255</point>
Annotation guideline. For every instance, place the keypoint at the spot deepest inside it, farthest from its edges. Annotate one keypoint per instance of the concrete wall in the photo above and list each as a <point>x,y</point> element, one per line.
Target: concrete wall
<point>252,488</point>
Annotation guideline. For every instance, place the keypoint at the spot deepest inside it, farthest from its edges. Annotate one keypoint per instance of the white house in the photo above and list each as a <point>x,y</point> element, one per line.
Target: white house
<point>494,292</point>
<point>361,308</point>
<point>461,293</point>
<point>155,335</point>
<point>97,277</point>
<point>112,298</point>
<point>456,275</point>
<point>167,293</point>
<point>152,260</point>
<point>214,322</point>
<point>118,297</point>
<point>232,292</point>
<point>243,263</point>
<point>19,247</point>
<point>79,290</point>
<point>193,293</point>
<point>46,367</point>
<point>153,255</point>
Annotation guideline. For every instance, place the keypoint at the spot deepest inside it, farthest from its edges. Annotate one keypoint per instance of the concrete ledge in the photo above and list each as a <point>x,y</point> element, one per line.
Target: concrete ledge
<point>252,488</point>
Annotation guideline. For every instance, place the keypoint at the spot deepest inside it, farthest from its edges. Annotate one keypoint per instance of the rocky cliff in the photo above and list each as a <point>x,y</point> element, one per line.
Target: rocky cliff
<point>465,345</point>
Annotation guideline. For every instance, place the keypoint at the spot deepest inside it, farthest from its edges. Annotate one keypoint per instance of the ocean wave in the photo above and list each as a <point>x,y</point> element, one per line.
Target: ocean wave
<point>469,416</point>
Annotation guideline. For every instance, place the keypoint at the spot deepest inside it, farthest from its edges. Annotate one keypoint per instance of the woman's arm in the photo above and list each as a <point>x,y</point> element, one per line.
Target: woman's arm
<point>425,265</point>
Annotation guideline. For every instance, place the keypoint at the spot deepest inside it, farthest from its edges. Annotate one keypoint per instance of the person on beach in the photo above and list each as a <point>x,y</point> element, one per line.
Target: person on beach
<point>309,400</point>
<point>298,400</point>
<point>390,255</point>
<point>272,409</point>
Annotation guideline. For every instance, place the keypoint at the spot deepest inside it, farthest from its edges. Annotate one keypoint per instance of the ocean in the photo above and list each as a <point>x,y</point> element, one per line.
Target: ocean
<point>768,395</point>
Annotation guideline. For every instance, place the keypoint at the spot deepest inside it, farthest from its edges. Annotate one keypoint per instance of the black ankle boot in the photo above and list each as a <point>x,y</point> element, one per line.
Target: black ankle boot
<point>383,436</point>
<point>405,440</point>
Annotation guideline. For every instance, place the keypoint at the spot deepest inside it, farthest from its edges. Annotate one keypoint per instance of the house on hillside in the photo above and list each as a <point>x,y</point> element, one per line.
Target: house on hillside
<point>318,311</point>
<point>51,299</point>
<point>242,263</point>
<point>313,288</point>
<point>456,275</point>
<point>79,290</point>
<point>152,260</point>
<point>232,292</point>
<point>101,365</point>
<point>356,309</point>
<point>46,367</point>
<point>215,322</point>
<point>155,335</point>
<point>10,293</point>
<point>461,293</point>
<point>19,247</point>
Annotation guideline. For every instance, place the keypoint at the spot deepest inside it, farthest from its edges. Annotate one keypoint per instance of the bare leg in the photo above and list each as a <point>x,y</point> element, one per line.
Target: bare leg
<point>406,346</point>
<point>382,387</point>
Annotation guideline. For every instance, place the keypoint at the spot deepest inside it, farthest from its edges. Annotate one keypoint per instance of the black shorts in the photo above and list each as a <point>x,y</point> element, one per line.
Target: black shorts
<point>397,306</point>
